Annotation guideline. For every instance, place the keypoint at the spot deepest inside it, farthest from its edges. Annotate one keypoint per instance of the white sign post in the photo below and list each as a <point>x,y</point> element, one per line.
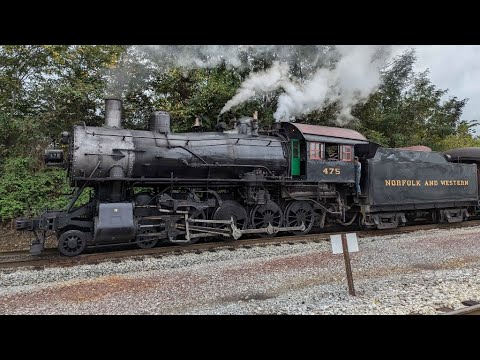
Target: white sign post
<point>345,244</point>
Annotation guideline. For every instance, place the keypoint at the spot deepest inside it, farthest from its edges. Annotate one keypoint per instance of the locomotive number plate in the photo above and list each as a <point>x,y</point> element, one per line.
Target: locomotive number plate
<point>331,171</point>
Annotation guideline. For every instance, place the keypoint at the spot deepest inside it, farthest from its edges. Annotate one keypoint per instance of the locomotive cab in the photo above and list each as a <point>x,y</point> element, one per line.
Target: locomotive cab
<point>321,153</point>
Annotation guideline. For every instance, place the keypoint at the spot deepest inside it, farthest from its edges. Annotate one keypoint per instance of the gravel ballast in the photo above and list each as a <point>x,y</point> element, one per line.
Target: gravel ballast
<point>414,273</point>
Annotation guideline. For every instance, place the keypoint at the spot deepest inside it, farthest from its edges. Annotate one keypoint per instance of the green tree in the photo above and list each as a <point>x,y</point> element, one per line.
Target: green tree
<point>407,109</point>
<point>45,89</point>
<point>462,138</point>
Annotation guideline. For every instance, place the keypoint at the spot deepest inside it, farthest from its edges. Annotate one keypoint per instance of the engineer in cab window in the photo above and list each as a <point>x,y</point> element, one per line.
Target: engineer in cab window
<point>332,152</point>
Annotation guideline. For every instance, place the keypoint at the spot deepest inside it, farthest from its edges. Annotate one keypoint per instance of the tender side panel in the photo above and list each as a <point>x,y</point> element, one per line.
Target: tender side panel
<point>394,180</point>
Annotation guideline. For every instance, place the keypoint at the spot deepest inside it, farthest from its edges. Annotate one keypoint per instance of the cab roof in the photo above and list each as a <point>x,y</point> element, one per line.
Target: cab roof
<point>329,131</point>
<point>325,134</point>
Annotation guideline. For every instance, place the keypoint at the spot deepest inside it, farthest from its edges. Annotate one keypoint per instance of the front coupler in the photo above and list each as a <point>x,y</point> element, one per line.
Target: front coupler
<point>39,227</point>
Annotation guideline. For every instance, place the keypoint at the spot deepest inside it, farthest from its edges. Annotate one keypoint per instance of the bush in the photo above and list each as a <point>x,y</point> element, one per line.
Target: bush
<point>26,191</point>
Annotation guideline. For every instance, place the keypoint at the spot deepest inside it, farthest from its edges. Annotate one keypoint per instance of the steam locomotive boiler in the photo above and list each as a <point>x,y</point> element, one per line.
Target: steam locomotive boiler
<point>155,186</point>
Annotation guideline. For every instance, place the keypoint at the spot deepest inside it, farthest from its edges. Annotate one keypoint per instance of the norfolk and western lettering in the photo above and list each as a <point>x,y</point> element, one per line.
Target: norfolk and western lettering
<point>426,182</point>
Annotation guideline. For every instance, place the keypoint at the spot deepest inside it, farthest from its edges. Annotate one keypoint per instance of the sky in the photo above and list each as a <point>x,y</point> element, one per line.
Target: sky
<point>456,68</point>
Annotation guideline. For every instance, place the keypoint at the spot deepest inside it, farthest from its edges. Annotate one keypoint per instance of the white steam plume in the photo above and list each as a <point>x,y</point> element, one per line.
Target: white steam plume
<point>354,78</point>
<point>263,82</point>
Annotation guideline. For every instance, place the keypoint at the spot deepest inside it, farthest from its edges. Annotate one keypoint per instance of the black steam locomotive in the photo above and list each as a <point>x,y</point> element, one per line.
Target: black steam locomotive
<point>155,186</point>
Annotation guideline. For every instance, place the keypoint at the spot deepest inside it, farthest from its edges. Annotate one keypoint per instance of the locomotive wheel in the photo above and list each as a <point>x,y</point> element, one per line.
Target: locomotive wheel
<point>72,243</point>
<point>298,212</point>
<point>229,209</point>
<point>146,242</point>
<point>263,215</point>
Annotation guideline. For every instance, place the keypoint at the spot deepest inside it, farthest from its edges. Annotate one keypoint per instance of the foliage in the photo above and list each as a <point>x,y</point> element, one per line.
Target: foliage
<point>25,190</point>
<point>463,138</point>
<point>407,109</point>
<point>187,94</point>
<point>45,89</point>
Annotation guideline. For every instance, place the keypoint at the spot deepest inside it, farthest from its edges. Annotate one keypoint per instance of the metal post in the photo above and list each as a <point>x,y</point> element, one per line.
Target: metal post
<point>348,267</point>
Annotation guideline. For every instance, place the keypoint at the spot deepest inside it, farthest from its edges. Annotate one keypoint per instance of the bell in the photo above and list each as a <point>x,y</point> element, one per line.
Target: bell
<point>198,122</point>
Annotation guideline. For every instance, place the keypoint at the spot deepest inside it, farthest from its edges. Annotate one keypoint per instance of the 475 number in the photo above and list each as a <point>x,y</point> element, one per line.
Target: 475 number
<point>331,171</point>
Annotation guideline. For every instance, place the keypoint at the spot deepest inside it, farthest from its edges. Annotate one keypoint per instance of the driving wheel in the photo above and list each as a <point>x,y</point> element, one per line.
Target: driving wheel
<point>264,215</point>
<point>298,212</point>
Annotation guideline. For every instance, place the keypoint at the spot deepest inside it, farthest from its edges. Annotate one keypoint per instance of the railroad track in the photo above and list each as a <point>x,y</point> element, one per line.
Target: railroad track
<point>472,308</point>
<point>50,257</point>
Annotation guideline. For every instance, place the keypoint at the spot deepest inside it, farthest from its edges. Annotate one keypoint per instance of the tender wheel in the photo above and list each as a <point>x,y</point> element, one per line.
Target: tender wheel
<point>263,215</point>
<point>146,242</point>
<point>72,243</point>
<point>298,212</point>
<point>229,209</point>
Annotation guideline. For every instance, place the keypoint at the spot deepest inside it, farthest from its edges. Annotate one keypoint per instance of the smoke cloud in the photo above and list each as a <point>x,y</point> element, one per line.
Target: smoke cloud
<point>263,82</point>
<point>328,74</point>
<point>352,79</point>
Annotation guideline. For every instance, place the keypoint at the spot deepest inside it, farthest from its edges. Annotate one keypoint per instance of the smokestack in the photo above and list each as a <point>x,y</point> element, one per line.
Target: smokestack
<point>113,113</point>
<point>160,122</point>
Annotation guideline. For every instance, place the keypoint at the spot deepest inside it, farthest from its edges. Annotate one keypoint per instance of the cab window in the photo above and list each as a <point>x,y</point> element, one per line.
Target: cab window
<point>331,152</point>
<point>316,151</point>
<point>347,152</point>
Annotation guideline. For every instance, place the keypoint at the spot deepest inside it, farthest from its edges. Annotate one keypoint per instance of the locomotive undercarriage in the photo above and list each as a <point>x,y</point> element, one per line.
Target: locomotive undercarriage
<point>184,213</point>
<point>391,219</point>
<point>180,214</point>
